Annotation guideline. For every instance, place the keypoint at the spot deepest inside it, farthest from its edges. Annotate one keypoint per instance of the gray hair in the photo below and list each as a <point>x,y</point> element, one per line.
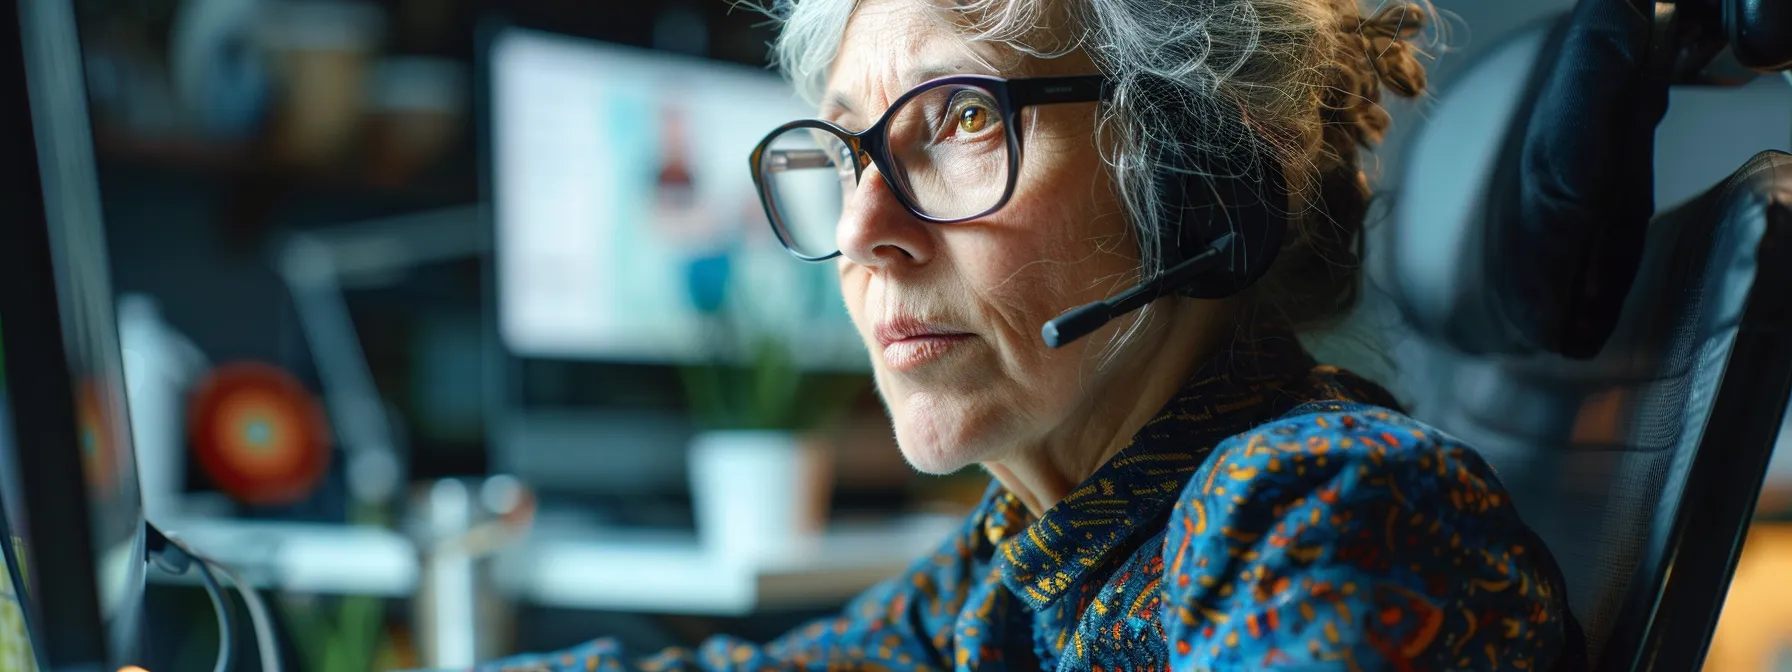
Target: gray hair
<point>1296,80</point>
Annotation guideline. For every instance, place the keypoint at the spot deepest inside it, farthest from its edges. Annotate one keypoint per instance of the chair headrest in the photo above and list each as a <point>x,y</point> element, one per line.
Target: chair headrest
<point>1520,225</point>
<point>1760,33</point>
<point>1433,263</point>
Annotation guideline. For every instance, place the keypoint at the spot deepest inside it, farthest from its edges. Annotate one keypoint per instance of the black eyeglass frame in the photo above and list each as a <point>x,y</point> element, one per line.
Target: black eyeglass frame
<point>1011,96</point>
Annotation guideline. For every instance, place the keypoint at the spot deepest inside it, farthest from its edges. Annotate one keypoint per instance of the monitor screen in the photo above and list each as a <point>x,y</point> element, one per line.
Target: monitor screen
<point>12,493</point>
<point>16,649</point>
<point>627,226</point>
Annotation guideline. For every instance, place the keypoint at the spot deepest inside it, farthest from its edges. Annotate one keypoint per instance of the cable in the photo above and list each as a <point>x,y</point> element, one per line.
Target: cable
<point>259,617</point>
<point>176,559</point>
<point>220,604</point>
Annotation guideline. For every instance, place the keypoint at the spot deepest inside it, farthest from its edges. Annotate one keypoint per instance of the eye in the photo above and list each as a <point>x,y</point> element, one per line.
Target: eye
<point>973,118</point>
<point>972,112</point>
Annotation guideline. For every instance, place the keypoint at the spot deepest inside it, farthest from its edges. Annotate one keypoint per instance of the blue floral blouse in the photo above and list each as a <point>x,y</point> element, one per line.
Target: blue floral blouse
<point>1275,515</point>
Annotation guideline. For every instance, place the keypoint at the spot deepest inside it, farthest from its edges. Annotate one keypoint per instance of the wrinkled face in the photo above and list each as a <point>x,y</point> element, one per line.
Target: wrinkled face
<point>952,313</point>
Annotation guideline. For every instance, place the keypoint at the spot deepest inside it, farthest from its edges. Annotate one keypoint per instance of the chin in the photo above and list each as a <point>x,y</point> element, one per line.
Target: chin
<point>939,435</point>
<point>932,458</point>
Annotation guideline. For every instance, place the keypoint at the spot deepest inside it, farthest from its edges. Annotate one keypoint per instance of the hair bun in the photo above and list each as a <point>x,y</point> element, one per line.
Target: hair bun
<point>1375,52</point>
<point>1387,37</point>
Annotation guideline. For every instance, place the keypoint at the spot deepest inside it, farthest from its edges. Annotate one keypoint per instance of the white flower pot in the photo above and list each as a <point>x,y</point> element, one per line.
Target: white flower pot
<point>759,496</point>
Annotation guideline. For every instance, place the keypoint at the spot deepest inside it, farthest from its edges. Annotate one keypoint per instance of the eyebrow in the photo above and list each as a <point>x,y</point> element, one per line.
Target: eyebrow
<point>838,100</point>
<point>937,70</point>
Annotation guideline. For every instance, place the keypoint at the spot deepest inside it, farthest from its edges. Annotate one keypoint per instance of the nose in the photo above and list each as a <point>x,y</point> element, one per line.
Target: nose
<point>875,230</point>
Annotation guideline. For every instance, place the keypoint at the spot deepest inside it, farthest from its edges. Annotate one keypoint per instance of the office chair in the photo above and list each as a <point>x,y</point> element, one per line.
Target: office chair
<point>1629,404</point>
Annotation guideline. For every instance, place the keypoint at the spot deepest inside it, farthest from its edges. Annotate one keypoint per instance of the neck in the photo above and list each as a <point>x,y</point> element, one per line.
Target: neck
<point>1123,400</point>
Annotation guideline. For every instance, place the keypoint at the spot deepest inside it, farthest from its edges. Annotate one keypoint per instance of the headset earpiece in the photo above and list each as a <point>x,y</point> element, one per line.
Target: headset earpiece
<point>1222,220</point>
<point>1200,204</point>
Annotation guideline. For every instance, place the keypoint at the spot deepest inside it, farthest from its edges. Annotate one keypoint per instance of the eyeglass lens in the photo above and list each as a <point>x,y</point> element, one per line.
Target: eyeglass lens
<point>948,150</point>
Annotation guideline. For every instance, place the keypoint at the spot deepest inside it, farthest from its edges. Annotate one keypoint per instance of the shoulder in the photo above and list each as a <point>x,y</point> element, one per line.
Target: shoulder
<point>1338,463</point>
<point>1342,448</point>
<point>1353,530</point>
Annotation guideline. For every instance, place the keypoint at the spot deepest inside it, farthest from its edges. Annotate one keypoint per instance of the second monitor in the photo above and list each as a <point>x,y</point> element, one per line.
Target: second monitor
<point>628,244</point>
<point>627,224</point>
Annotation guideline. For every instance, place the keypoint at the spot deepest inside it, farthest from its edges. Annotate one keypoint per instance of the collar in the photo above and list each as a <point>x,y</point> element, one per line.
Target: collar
<point>1252,382</point>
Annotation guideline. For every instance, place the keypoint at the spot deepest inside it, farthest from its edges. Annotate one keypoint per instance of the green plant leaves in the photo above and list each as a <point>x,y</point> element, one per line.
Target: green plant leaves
<point>768,390</point>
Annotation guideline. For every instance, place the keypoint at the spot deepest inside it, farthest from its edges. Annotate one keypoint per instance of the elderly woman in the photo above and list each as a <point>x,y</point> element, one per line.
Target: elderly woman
<point>1079,239</point>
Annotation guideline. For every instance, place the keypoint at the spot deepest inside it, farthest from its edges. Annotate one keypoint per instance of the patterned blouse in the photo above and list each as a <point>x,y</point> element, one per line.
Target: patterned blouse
<point>1274,515</point>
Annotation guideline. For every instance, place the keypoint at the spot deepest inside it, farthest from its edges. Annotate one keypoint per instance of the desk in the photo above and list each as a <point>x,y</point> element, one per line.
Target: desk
<point>302,557</point>
<point>594,569</point>
<point>670,573</point>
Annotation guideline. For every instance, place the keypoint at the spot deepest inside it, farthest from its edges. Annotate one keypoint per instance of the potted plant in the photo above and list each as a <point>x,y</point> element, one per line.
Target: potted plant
<point>761,462</point>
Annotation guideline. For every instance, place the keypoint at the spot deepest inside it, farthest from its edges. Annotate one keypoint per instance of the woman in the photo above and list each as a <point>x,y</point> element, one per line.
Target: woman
<point>1181,486</point>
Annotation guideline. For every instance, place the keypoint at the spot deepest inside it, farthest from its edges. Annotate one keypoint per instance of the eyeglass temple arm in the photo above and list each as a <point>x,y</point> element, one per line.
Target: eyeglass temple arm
<point>780,160</point>
<point>1050,90</point>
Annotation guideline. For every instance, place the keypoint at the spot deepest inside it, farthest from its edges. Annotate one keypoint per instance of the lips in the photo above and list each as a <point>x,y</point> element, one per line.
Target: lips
<point>910,342</point>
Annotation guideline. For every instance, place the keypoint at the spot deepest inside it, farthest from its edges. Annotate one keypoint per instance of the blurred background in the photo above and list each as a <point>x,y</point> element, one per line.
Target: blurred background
<point>524,364</point>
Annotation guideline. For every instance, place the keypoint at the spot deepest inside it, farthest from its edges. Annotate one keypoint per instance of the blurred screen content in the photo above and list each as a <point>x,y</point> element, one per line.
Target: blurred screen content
<point>16,651</point>
<point>628,228</point>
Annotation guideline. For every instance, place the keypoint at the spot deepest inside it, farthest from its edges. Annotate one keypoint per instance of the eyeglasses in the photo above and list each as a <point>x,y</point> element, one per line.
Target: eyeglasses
<point>949,149</point>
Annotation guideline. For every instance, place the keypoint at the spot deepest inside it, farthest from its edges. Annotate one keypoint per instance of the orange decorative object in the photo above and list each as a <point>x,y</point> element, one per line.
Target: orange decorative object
<point>259,434</point>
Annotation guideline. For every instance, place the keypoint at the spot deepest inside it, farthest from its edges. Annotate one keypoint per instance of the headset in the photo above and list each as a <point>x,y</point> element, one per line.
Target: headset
<point>1222,218</point>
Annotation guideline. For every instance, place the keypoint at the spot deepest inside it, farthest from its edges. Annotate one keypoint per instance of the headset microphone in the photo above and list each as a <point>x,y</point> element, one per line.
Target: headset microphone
<point>1069,327</point>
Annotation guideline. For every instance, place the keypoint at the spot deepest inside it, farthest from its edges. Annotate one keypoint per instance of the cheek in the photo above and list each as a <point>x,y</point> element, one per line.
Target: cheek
<point>1023,284</point>
<point>1060,243</point>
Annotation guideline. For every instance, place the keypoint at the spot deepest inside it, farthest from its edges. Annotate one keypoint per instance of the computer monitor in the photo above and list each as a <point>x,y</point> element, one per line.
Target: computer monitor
<point>66,460</point>
<point>626,220</point>
<point>629,240</point>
